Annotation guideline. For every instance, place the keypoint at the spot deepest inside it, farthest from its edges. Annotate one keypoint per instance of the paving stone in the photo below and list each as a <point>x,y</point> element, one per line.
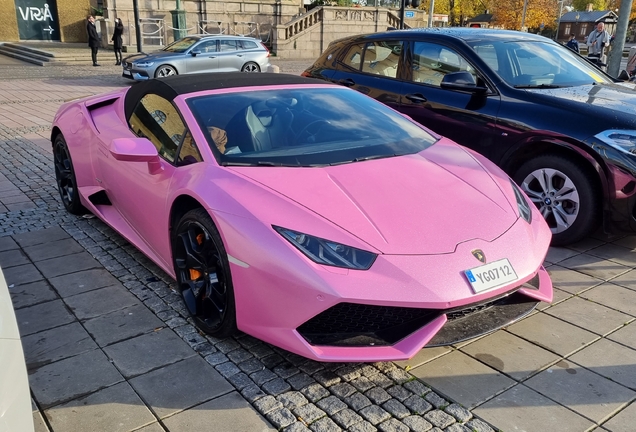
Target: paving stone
<point>216,358</point>
<point>439,418</point>
<point>327,378</point>
<point>272,360</point>
<point>417,423</point>
<point>72,377</point>
<point>240,381</point>
<point>594,266</point>
<point>436,400</point>
<point>384,367</point>
<point>381,380</point>
<point>43,316</point>
<point>582,391</point>
<point>613,296</point>
<point>292,399</point>
<point>261,377</point>
<point>519,363</point>
<point>55,249</point>
<point>378,395</point>
<point>260,351</point>
<point>346,418</point>
<point>300,381</point>
<point>149,351</point>
<point>227,369</point>
<point>456,427</point>
<point>399,392</point>
<point>67,264</point>
<point>393,425</point>
<point>281,418</point>
<point>418,405</point>
<point>180,386</point>
<point>100,302</point>
<point>239,355</point>
<point>113,408</point>
<point>250,366</point>
<point>286,370</point>
<point>230,412</point>
<point>59,343</point>
<point>626,335</point>
<point>521,408</point>
<point>22,274</point>
<point>311,367</point>
<point>31,294</point>
<point>416,387</point>
<point>309,413</point>
<point>610,360</point>
<point>357,401</point>
<point>40,236</point>
<point>348,373</point>
<point>589,315</point>
<point>362,383</point>
<point>13,258</point>
<point>7,243</point>
<point>325,424</point>
<point>267,404</point>
<point>374,414</point>
<point>342,390</point>
<point>460,413</point>
<point>296,427</point>
<point>396,409</point>
<point>82,281</point>
<point>276,387</point>
<point>363,426</point>
<point>331,405</point>
<point>399,376</point>
<point>315,392</point>
<point>122,324</point>
<point>571,281</point>
<point>623,421</point>
<point>252,393</point>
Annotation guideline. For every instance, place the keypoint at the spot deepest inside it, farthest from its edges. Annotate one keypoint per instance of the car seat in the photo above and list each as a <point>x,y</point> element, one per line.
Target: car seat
<point>269,127</point>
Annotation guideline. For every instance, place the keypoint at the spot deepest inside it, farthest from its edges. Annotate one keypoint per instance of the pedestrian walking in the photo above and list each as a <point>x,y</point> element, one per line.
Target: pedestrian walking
<point>573,44</point>
<point>116,39</point>
<point>93,38</point>
<point>596,42</point>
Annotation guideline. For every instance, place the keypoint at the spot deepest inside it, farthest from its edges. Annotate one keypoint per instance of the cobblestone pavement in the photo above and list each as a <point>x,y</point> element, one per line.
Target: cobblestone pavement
<point>568,367</point>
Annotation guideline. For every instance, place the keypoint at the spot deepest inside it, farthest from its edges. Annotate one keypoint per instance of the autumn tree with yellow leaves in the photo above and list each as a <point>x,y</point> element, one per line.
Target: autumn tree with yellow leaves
<point>508,13</point>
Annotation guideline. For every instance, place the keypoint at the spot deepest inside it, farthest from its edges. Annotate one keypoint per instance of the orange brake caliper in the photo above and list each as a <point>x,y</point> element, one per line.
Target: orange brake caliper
<point>196,274</point>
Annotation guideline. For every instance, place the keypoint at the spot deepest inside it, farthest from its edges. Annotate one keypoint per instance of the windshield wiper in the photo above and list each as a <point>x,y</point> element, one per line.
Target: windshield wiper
<point>540,86</point>
<point>366,158</point>
<point>259,163</point>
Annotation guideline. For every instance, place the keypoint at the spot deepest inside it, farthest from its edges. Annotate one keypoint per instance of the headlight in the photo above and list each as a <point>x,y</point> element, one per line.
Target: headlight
<point>327,252</point>
<point>623,140</point>
<point>144,64</point>
<point>522,203</point>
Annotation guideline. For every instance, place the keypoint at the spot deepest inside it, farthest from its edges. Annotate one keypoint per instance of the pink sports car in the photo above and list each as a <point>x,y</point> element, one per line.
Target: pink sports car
<point>305,214</point>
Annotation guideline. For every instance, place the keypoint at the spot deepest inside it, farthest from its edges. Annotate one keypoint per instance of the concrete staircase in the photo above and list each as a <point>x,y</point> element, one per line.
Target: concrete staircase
<point>48,53</point>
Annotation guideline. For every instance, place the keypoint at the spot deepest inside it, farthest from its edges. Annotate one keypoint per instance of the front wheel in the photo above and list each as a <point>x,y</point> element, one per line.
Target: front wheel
<point>203,273</point>
<point>65,177</point>
<point>165,71</point>
<point>564,193</point>
<point>250,67</point>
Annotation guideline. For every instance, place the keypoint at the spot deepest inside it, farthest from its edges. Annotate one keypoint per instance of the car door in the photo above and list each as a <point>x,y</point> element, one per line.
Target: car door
<point>231,55</point>
<point>467,117</point>
<point>373,68</point>
<point>203,57</point>
<point>140,194</point>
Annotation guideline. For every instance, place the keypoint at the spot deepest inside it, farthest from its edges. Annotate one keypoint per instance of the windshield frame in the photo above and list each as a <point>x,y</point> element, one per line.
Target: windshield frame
<point>169,47</point>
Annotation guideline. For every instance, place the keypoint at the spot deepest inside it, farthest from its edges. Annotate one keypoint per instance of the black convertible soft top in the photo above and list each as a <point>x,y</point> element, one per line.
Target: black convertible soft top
<point>173,86</point>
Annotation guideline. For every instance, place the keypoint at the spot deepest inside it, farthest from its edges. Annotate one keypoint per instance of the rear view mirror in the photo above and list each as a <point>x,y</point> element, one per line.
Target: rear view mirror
<point>463,81</point>
<point>133,150</point>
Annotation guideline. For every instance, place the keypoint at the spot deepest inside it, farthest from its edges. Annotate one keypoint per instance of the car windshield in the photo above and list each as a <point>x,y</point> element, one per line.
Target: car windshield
<point>304,126</point>
<point>537,64</point>
<point>181,45</point>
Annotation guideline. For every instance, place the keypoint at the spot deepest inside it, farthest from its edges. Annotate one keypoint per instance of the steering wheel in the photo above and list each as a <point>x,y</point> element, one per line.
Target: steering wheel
<point>312,130</point>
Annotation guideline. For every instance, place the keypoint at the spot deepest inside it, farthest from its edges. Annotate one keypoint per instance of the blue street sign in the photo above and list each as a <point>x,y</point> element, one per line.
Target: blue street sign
<point>409,14</point>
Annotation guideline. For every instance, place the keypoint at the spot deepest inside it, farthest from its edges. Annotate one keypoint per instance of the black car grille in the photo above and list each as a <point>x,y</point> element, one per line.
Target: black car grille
<point>351,324</point>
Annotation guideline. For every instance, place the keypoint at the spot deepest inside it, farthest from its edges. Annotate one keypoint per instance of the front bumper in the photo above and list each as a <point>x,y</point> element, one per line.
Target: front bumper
<point>128,71</point>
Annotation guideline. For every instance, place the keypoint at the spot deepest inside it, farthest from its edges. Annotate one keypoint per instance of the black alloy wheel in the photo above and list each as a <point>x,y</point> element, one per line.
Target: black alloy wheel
<point>203,274</point>
<point>65,177</point>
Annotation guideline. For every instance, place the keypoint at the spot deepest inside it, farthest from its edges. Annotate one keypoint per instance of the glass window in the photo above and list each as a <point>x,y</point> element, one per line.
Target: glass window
<point>568,30</point>
<point>431,62</point>
<point>583,31</point>
<point>382,58</point>
<point>207,46</point>
<point>304,126</point>
<point>181,45</point>
<point>488,55</point>
<point>158,120</point>
<point>249,44</point>
<point>353,56</point>
<point>189,152</point>
<point>228,45</point>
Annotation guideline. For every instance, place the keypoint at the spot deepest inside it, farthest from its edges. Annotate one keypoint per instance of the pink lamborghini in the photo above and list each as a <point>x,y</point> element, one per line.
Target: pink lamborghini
<point>305,214</point>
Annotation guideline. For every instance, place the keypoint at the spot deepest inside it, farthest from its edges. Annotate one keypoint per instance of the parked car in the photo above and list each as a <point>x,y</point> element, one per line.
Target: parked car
<point>198,54</point>
<point>561,128</point>
<point>15,397</point>
<point>305,214</point>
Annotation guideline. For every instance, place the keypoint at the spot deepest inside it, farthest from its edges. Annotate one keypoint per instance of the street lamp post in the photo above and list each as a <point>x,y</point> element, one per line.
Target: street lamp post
<point>137,27</point>
<point>523,15</point>
<point>558,29</point>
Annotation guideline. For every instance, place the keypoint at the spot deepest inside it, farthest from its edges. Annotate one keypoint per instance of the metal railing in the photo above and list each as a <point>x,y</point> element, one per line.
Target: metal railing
<point>153,31</point>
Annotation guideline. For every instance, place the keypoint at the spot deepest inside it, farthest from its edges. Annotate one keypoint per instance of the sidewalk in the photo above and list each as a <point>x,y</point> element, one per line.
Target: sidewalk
<point>108,346</point>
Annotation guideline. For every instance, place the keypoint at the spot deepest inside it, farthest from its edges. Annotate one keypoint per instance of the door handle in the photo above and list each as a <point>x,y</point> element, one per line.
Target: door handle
<point>416,98</point>
<point>239,55</point>
<point>347,82</point>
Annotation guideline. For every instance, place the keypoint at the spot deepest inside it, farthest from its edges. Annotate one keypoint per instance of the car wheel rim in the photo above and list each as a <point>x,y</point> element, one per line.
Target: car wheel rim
<point>64,174</point>
<point>556,197</point>
<point>201,275</point>
<point>250,68</point>
<point>164,72</point>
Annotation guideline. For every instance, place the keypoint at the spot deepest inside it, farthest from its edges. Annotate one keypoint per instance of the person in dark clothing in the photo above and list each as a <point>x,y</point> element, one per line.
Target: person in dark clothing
<point>573,44</point>
<point>93,38</point>
<point>116,39</point>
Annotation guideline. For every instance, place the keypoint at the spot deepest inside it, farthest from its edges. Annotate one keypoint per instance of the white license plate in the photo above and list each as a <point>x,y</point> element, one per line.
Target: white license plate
<point>489,276</point>
<point>126,72</point>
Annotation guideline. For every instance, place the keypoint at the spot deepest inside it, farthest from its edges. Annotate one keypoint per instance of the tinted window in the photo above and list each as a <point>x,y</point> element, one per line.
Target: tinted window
<point>249,44</point>
<point>181,45</point>
<point>189,153</point>
<point>382,58</point>
<point>207,46</point>
<point>158,120</point>
<point>228,45</point>
<point>431,62</point>
<point>304,126</point>
<point>353,56</point>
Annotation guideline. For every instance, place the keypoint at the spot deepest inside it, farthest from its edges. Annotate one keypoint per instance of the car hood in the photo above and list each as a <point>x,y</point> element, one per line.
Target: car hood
<point>619,97</point>
<point>425,203</point>
<point>151,56</point>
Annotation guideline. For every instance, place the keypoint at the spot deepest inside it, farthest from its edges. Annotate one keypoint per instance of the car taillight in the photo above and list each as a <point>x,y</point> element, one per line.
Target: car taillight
<point>266,49</point>
<point>306,74</point>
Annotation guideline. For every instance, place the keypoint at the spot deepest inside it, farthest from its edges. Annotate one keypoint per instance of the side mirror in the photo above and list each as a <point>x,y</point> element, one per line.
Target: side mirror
<point>195,52</point>
<point>463,81</point>
<point>136,150</point>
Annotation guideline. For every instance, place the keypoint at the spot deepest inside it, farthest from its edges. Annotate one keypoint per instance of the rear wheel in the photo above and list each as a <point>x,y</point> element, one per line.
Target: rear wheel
<point>164,71</point>
<point>564,193</point>
<point>65,177</point>
<point>250,67</point>
<point>203,273</point>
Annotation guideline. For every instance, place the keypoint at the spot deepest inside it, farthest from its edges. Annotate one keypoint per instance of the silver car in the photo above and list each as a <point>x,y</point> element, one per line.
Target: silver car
<point>199,53</point>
